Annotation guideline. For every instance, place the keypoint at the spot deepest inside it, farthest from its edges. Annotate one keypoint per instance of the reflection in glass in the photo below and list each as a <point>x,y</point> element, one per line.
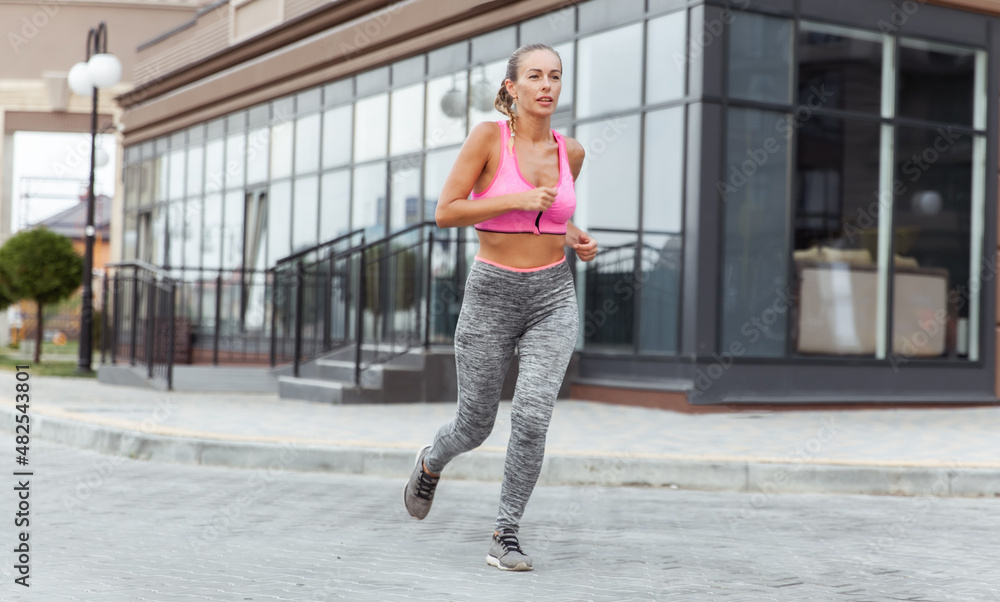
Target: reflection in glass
<point>659,291</point>
<point>608,319</point>
<point>368,204</point>
<point>486,80</point>
<point>236,161</point>
<point>437,165</point>
<point>175,230</point>
<point>936,81</point>
<point>839,68</point>
<point>607,191</point>
<point>305,213</point>
<point>760,58</point>
<point>258,151</point>
<point>568,59</point>
<point>407,119</point>
<point>195,170</point>
<point>130,237</point>
<point>371,127</point>
<point>335,205</point>
<point>211,232</point>
<point>281,149</point>
<point>405,194</point>
<point>663,186</point>
<point>159,235</point>
<point>666,57</point>
<point>279,222</point>
<point>193,212</point>
<point>176,160</point>
<point>214,169</point>
<point>837,236</point>
<point>755,240</point>
<point>337,126</point>
<point>932,224</point>
<point>446,109</point>
<point>610,60</point>
<point>307,132</point>
<point>232,230</point>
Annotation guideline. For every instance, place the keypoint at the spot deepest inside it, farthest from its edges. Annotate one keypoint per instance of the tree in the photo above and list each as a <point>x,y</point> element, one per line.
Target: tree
<point>41,266</point>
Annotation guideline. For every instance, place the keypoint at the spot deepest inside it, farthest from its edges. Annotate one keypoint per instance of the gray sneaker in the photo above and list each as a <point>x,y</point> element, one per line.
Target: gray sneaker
<point>506,553</point>
<point>419,491</point>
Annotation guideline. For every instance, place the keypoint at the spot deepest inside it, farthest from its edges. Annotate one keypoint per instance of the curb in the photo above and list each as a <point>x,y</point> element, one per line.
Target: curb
<point>748,476</point>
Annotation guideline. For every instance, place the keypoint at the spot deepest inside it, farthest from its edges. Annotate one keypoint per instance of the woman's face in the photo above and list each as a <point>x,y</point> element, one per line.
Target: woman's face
<point>539,81</point>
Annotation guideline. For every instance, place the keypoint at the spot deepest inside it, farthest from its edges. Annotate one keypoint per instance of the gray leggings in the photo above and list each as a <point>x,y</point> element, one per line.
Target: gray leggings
<point>537,311</point>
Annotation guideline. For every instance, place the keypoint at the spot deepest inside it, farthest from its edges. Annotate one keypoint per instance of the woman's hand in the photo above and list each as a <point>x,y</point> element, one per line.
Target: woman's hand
<point>538,199</point>
<point>585,247</point>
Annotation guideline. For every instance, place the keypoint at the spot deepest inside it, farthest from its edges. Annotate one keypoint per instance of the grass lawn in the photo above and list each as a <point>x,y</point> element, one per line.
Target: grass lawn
<point>65,366</point>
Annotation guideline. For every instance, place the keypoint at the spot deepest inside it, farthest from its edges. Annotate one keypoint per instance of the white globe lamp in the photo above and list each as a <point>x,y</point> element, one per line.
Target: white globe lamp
<point>79,80</point>
<point>105,70</point>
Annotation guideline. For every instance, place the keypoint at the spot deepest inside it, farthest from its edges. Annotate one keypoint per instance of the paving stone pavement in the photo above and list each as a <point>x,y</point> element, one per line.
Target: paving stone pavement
<point>107,528</point>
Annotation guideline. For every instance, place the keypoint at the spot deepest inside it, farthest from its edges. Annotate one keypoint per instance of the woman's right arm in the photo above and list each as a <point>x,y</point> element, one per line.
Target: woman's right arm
<point>455,209</point>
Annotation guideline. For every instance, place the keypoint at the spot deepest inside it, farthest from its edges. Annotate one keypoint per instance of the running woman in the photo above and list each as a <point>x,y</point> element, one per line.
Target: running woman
<point>520,289</point>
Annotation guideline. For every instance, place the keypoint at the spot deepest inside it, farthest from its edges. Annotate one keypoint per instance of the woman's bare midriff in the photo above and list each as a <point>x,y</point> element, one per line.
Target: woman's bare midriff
<point>521,250</point>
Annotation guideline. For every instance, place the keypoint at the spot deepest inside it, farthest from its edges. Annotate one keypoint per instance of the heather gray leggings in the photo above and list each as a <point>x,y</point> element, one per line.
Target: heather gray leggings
<point>537,311</point>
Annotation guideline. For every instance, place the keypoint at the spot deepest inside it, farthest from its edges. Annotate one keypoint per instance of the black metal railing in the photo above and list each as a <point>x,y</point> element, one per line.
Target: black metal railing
<point>138,323</point>
<point>382,297</point>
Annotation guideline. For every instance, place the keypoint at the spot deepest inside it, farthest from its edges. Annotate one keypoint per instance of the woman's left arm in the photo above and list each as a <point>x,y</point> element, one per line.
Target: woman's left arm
<point>580,241</point>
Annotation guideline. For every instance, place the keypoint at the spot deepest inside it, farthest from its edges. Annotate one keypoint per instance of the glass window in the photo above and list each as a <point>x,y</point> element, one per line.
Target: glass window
<point>133,177</point>
<point>130,237</point>
<point>408,71</point>
<point>405,190</point>
<point>494,45</point>
<point>195,170</point>
<point>175,232</point>
<point>337,126</point>
<point>308,101</point>
<point>552,27</point>
<point>446,114</point>
<point>255,230</point>
<point>162,180</point>
<point>599,14</point>
<point>211,234</point>
<point>663,176</point>
<point>279,221</point>
<point>232,230</point>
<point>486,80</point>
<point>437,166</point>
<point>281,149</point>
<point>176,186</point>
<point>307,133</point>
<point>448,59</point>
<point>666,57</point>
<point>193,211</point>
<point>335,204</point>
<point>372,125</point>
<point>659,292</point>
<point>368,205</point>
<point>839,68</point>
<point>236,161</point>
<point>610,60</point>
<point>214,154</point>
<point>607,190</point>
<point>567,57</point>
<point>836,237</point>
<point>258,152</point>
<point>159,236</point>
<point>936,82</point>
<point>306,213</point>
<point>338,91</point>
<point>755,257</point>
<point>932,222</point>
<point>371,82</point>
<point>407,119</point>
<point>609,293</point>
<point>760,58</point>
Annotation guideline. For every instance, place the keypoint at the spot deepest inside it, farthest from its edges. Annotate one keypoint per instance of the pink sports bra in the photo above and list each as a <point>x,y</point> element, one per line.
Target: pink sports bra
<point>508,180</point>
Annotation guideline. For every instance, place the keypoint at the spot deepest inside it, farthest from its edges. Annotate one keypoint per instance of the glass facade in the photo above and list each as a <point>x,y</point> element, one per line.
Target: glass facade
<point>833,208</point>
<point>849,213</point>
<point>371,152</point>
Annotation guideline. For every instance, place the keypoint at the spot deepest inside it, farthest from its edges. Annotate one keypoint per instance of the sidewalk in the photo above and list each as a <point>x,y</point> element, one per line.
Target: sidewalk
<point>895,451</point>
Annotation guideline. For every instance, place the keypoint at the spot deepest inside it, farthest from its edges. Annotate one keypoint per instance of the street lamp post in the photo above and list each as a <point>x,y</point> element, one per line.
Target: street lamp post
<point>100,70</point>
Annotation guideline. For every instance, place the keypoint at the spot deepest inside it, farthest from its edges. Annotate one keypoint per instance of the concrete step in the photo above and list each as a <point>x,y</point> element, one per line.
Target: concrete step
<point>310,389</point>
